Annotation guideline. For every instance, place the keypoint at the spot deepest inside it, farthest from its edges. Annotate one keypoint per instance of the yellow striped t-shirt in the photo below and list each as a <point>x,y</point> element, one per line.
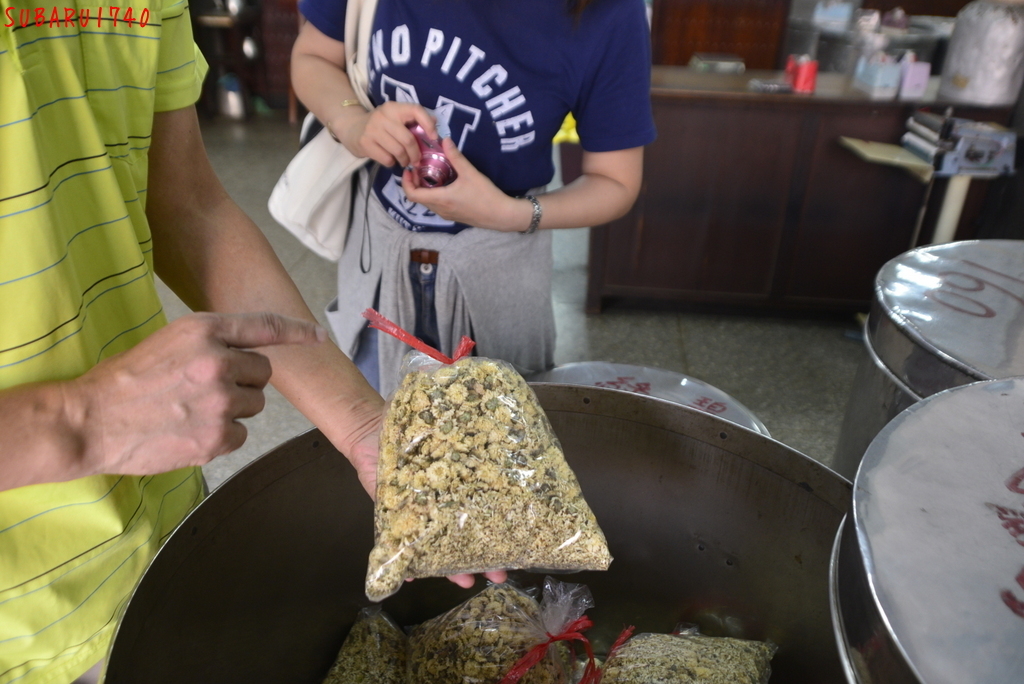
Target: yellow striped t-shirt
<point>77,96</point>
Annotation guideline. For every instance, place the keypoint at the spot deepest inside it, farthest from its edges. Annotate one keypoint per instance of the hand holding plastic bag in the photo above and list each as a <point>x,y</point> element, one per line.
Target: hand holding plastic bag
<point>472,479</point>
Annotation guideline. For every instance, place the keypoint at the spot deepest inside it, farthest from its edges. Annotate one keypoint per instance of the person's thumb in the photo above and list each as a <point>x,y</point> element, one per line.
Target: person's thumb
<point>249,330</point>
<point>455,156</point>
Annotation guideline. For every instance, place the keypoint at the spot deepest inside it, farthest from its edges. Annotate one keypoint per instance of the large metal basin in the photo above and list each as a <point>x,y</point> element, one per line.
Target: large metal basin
<point>933,540</point>
<point>943,316</point>
<point>708,522</point>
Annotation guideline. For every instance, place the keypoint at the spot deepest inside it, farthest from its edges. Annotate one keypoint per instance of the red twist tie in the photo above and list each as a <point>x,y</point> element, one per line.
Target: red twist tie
<point>624,636</point>
<point>380,323</point>
<point>573,632</point>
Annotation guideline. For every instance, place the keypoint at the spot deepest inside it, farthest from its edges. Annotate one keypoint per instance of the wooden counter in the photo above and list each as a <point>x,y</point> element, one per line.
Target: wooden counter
<point>749,199</point>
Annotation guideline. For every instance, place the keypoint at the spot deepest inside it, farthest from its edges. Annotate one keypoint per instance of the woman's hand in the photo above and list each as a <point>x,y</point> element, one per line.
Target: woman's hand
<point>382,134</point>
<point>471,199</point>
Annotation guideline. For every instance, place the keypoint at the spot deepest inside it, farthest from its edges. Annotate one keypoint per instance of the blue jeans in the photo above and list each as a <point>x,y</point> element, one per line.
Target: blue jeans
<point>422,277</point>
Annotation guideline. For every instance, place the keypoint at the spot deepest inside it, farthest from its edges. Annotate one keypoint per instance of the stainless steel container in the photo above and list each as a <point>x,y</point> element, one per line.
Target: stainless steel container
<point>928,573</point>
<point>942,316</point>
<point>708,522</point>
<point>655,382</point>
<point>985,57</point>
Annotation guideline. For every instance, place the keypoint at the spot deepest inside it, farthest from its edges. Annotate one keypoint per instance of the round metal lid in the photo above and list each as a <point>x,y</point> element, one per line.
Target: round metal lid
<point>939,512</point>
<point>658,383</point>
<point>962,302</point>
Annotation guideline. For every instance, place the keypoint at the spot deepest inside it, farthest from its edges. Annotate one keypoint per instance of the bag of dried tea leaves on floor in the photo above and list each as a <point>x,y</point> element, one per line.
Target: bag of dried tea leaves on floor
<point>471,479</point>
<point>374,652</point>
<point>503,636</point>
<point>688,657</point>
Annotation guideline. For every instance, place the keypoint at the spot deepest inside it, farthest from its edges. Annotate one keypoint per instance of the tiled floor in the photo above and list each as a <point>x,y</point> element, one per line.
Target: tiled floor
<point>793,374</point>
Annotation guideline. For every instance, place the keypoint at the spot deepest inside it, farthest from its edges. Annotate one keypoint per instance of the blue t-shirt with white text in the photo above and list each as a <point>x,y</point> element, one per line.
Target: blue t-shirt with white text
<point>502,75</point>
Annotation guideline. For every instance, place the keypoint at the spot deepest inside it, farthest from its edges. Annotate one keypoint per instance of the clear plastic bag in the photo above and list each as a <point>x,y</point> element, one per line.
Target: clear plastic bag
<point>502,635</point>
<point>471,478</point>
<point>688,657</point>
<point>375,650</point>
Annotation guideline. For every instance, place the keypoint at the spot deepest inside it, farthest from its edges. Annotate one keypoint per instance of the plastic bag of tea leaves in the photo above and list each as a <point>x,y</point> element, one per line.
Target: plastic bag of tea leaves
<point>472,479</point>
<point>374,652</point>
<point>688,657</point>
<point>503,636</point>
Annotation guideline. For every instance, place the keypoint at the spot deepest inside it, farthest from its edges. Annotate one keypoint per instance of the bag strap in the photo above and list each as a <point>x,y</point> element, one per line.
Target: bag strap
<point>358,32</point>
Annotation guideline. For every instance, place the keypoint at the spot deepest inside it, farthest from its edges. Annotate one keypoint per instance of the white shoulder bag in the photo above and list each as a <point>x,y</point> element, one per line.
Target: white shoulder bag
<point>313,197</point>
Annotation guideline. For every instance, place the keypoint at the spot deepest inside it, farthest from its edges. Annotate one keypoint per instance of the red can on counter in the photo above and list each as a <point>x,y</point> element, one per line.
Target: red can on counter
<point>802,72</point>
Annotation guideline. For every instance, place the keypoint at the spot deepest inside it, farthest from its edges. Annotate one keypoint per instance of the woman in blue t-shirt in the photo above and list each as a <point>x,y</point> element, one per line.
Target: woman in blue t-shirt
<point>497,77</point>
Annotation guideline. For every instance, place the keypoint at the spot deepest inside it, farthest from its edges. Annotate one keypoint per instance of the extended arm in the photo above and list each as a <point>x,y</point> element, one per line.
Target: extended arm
<point>216,259</point>
<point>174,399</point>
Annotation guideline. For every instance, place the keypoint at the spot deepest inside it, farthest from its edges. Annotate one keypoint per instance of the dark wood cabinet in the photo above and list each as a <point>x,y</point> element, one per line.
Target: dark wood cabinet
<point>280,29</point>
<point>752,29</point>
<point>750,200</point>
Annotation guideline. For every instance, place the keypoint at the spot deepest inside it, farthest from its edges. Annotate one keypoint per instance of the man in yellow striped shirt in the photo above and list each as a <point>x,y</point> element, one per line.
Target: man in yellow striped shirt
<point>105,410</point>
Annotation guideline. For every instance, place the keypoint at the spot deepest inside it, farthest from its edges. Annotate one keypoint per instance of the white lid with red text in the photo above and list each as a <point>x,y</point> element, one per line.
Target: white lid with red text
<point>938,507</point>
<point>963,303</point>
<point>655,382</point>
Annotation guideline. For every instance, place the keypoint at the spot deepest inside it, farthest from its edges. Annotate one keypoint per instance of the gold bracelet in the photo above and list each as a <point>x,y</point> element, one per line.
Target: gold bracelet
<point>344,103</point>
<point>327,125</point>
